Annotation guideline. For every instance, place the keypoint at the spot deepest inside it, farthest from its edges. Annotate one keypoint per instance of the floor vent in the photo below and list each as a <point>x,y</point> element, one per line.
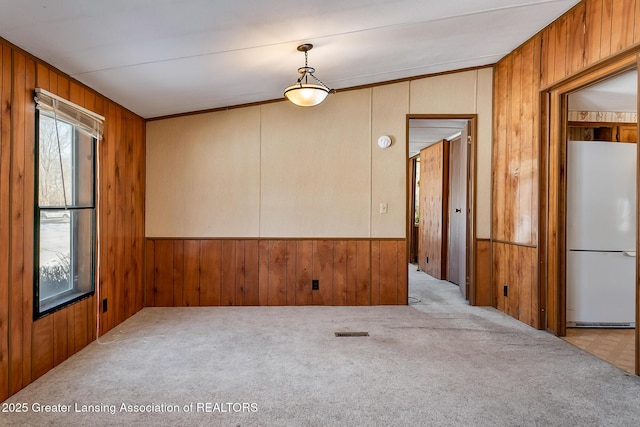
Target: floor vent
<point>352,334</point>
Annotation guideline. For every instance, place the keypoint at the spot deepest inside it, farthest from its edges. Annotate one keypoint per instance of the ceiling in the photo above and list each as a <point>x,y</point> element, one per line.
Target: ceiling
<point>617,94</point>
<point>425,132</point>
<point>162,57</point>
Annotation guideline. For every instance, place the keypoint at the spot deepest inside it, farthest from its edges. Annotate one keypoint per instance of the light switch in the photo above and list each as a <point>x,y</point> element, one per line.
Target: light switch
<point>384,208</point>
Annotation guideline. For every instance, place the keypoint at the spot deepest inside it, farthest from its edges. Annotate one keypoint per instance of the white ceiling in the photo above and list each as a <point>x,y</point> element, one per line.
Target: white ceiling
<point>161,57</point>
<point>618,94</point>
<point>425,132</point>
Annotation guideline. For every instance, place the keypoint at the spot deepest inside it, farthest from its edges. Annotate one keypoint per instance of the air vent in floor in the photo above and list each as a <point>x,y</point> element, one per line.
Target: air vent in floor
<point>352,334</point>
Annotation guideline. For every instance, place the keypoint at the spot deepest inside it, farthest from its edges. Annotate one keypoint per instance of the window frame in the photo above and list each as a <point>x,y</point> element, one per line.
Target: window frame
<point>75,293</point>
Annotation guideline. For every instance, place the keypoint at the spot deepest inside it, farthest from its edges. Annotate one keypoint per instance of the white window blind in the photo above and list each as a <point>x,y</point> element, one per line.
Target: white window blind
<point>85,121</point>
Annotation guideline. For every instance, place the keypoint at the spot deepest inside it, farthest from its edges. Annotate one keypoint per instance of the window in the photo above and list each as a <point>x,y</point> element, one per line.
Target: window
<point>65,203</point>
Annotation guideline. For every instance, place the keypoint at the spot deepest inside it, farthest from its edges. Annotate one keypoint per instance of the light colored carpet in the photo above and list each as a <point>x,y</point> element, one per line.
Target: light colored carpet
<point>437,362</point>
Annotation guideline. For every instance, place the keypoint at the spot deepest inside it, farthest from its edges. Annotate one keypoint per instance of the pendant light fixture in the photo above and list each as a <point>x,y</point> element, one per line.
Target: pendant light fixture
<point>302,92</point>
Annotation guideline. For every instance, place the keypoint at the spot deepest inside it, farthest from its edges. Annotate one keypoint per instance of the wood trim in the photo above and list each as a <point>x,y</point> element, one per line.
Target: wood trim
<point>410,183</point>
<point>441,117</point>
<point>267,272</point>
<point>444,256</point>
<point>596,124</point>
<point>411,209</point>
<point>610,64</point>
<point>637,337</point>
<point>272,238</point>
<point>562,217</point>
<point>543,211</point>
<point>475,294</point>
<point>553,251</point>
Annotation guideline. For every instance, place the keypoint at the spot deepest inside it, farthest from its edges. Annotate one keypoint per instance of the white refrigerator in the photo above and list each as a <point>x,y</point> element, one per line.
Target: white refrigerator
<point>601,234</point>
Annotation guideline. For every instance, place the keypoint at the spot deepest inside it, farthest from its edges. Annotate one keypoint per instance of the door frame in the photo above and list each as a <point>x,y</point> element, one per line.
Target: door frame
<point>412,242</point>
<point>553,191</point>
<point>471,252</point>
<point>467,193</point>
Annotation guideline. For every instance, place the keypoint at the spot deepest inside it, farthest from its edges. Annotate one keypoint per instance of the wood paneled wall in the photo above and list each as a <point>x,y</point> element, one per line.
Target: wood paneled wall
<point>432,241</point>
<point>592,31</point>
<point>121,216</point>
<point>589,33</point>
<point>516,146</point>
<point>5,223</point>
<point>28,349</point>
<point>212,272</point>
<point>515,182</point>
<point>521,299</point>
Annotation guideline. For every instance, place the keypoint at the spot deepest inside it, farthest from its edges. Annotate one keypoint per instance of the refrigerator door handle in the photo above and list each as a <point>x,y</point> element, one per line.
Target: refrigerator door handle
<point>629,253</point>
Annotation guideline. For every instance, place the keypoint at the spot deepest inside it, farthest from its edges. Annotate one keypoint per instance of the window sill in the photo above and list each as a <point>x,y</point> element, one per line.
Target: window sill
<point>58,303</point>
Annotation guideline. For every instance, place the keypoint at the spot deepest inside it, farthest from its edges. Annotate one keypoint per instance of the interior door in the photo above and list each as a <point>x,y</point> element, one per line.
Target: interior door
<point>432,241</point>
<point>458,212</point>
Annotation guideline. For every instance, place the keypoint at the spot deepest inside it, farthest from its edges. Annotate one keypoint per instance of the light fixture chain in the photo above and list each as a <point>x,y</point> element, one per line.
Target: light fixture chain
<point>323,83</point>
<point>306,66</point>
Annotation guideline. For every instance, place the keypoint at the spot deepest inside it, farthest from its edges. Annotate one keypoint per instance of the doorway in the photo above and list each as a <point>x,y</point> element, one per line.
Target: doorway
<point>601,218</point>
<point>441,220</point>
<point>587,312</point>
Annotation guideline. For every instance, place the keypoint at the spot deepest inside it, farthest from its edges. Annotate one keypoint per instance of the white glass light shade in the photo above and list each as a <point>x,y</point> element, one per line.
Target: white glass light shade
<point>306,95</point>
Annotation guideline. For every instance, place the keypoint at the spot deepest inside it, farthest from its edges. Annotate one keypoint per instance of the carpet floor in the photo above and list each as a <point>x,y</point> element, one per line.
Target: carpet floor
<point>436,362</point>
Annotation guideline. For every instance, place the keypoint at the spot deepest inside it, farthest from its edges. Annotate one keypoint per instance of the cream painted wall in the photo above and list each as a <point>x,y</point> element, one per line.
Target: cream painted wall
<point>315,168</point>
<point>389,109</point>
<point>203,175</point>
<point>468,92</point>
<point>277,170</point>
<point>484,108</point>
<point>446,94</point>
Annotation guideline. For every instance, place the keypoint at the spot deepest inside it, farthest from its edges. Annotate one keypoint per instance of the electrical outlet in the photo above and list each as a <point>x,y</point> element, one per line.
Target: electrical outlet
<point>315,285</point>
<point>505,291</point>
<point>104,305</point>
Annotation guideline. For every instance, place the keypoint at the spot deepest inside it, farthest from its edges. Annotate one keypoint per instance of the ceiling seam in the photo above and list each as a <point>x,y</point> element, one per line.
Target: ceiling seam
<point>363,30</point>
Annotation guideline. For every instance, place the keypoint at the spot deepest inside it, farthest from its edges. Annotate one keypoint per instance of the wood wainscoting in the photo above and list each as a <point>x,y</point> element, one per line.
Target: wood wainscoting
<point>481,293</point>
<point>227,272</point>
<point>515,268</point>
